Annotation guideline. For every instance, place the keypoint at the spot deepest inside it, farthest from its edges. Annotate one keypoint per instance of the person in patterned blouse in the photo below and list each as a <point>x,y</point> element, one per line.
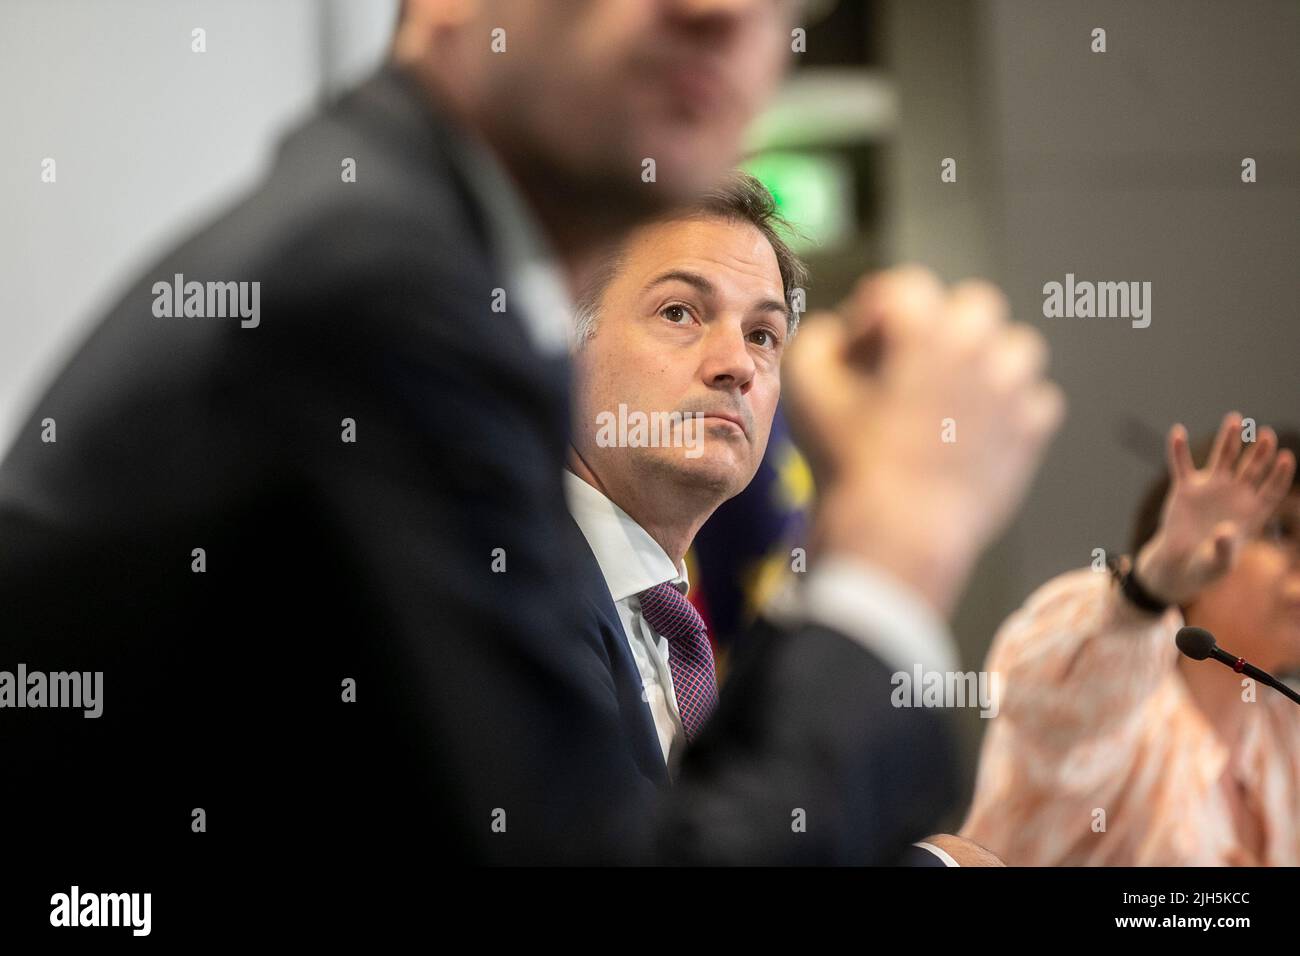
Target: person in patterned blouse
<point>1110,748</point>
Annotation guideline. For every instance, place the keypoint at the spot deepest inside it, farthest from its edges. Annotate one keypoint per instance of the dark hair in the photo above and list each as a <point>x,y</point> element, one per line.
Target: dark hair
<point>738,198</point>
<point>1147,519</point>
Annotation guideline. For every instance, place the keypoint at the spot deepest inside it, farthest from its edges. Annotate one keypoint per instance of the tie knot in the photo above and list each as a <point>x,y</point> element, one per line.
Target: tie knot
<point>669,613</point>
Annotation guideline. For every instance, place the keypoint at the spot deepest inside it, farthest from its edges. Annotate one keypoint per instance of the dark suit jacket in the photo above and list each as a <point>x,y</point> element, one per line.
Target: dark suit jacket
<point>606,627</point>
<point>491,723</point>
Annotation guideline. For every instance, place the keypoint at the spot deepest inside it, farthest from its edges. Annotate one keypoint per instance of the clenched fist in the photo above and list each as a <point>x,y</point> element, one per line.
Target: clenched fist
<point>924,412</point>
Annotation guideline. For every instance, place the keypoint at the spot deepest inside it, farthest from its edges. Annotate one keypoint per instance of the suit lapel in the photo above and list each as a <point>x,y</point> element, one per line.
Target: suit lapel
<point>642,736</point>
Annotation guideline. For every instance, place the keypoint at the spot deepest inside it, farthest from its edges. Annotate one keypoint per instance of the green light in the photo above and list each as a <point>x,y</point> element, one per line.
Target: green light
<point>814,191</point>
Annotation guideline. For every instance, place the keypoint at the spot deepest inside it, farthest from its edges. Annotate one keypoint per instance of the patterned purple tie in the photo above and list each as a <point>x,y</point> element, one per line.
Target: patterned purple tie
<point>690,658</point>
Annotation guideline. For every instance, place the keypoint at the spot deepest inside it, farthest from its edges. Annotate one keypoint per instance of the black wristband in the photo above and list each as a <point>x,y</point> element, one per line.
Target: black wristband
<point>1139,596</point>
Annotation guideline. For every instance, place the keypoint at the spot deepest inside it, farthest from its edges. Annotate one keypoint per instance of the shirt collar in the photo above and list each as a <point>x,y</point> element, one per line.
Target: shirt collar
<point>630,560</point>
<point>535,284</point>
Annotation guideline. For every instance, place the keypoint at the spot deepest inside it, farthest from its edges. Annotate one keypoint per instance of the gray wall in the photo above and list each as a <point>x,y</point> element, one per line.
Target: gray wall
<point>148,138</point>
<point>1122,165</point>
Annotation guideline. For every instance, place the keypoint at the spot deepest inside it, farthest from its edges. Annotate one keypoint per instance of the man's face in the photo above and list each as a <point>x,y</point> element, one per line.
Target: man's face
<point>693,321</point>
<point>1254,610</point>
<point>587,90</point>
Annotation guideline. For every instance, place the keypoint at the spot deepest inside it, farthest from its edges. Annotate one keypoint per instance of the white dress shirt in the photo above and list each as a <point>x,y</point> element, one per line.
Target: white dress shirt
<point>631,561</point>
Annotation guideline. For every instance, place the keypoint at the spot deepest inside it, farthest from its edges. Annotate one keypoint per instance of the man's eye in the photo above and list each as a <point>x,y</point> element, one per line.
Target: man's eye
<point>768,338</point>
<point>675,313</point>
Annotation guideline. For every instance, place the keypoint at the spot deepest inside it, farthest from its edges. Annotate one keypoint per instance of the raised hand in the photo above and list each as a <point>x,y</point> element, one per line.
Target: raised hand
<point>1209,512</point>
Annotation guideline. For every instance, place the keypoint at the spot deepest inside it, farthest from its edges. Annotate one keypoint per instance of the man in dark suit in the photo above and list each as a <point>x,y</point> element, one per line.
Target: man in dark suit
<point>678,371</point>
<point>298,498</point>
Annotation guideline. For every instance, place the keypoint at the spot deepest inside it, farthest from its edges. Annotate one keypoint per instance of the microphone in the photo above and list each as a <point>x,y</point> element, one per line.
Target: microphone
<point>1198,644</point>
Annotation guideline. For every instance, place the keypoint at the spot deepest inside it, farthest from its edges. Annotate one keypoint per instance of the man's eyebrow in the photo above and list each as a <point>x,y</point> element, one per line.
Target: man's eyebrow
<point>770,305</point>
<point>682,275</point>
<point>706,287</point>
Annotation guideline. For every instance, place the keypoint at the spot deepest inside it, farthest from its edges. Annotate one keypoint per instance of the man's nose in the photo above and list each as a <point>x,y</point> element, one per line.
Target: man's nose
<point>727,361</point>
